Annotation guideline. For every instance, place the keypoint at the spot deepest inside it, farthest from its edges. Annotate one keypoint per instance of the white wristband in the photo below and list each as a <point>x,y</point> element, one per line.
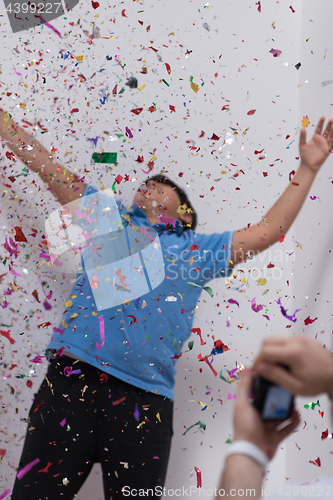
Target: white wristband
<point>249,449</point>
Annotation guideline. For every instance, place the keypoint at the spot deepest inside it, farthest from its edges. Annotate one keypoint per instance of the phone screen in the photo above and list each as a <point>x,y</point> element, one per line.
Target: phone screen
<point>277,403</point>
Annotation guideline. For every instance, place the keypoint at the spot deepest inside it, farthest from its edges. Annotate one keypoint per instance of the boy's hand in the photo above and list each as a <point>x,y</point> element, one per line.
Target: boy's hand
<point>315,152</point>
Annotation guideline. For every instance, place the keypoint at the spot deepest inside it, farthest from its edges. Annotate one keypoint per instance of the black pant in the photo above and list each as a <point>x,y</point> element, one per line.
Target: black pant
<point>126,429</point>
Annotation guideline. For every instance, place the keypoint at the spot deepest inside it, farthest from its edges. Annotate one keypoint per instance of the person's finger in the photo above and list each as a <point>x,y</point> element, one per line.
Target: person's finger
<point>277,375</point>
<point>302,137</point>
<point>275,354</point>
<point>245,385</point>
<point>320,125</point>
<point>329,131</point>
<point>283,433</point>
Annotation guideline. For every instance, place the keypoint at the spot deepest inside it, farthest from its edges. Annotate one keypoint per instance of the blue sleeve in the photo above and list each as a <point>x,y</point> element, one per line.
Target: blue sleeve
<point>212,253</point>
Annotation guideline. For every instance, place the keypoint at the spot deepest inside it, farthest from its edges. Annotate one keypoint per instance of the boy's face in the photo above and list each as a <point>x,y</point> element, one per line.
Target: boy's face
<point>157,199</point>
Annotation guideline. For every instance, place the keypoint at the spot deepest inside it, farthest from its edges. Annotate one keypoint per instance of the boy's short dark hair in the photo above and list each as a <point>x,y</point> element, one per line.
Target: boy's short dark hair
<point>182,196</point>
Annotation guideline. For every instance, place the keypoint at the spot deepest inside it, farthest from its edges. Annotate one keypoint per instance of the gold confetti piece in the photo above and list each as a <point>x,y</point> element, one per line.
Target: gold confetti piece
<point>84,389</point>
<point>158,417</point>
<point>299,246</point>
<point>75,315</point>
<point>191,260</point>
<point>262,281</point>
<point>142,87</point>
<point>49,383</point>
<point>305,121</point>
<point>68,303</point>
<point>79,58</point>
<point>95,313</point>
<point>64,325</point>
<point>194,87</point>
<point>264,221</point>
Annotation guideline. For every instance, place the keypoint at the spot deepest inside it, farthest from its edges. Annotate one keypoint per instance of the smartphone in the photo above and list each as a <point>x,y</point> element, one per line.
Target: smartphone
<point>272,401</point>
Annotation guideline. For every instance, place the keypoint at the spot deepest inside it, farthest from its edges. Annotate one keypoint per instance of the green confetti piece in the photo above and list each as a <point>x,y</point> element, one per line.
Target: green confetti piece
<point>209,290</point>
<point>104,157</point>
<point>202,426</point>
<point>312,405</point>
<point>166,83</point>
<point>234,129</point>
<point>223,378</point>
<point>114,186</point>
<point>228,441</point>
<point>194,284</point>
<point>190,346</point>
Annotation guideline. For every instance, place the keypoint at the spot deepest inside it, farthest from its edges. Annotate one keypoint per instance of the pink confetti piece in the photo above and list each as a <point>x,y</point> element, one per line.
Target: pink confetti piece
<point>50,26</point>
<point>58,330</point>
<point>232,301</point>
<point>27,468</point>
<point>231,396</point>
<point>129,133</point>
<point>4,494</point>
<point>275,52</point>
<point>199,480</point>
<point>255,308</point>
<point>101,327</point>
<point>84,216</point>
<point>51,258</point>
<point>14,272</point>
<point>62,423</point>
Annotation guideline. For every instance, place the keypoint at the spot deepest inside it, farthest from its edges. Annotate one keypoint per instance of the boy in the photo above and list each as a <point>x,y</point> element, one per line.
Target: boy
<point>108,393</point>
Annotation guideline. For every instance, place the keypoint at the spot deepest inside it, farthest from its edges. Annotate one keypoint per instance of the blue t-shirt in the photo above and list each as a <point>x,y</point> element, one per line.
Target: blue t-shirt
<point>131,308</point>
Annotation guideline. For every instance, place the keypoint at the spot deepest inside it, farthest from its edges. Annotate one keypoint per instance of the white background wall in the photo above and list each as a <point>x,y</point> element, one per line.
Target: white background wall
<point>233,62</point>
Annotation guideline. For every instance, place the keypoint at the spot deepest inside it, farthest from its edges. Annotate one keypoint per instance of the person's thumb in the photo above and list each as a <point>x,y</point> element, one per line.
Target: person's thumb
<point>245,385</point>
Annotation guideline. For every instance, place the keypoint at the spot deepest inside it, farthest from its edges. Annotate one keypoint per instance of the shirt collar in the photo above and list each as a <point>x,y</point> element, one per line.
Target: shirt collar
<point>175,224</point>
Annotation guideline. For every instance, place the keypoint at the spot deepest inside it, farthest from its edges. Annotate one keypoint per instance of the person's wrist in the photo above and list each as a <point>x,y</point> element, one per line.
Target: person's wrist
<point>249,449</point>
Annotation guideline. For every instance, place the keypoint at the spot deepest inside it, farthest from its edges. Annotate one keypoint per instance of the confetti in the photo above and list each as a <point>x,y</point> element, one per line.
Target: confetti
<point>284,312</point>
<point>26,468</point>
<point>199,480</point>
<point>308,321</point>
<point>19,236</point>
<point>136,413</point>
<point>251,112</point>
<point>254,307</point>
<point>305,121</point>
<point>311,405</point>
<point>4,494</point>
<point>232,301</point>
<point>315,462</point>
<point>198,332</point>
<point>6,334</point>
<point>201,424</point>
<point>231,396</point>
<point>50,26</point>
<point>101,327</point>
<point>275,52</point>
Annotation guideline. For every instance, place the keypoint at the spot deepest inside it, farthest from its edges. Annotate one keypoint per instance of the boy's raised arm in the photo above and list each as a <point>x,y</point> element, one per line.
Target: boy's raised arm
<point>64,185</point>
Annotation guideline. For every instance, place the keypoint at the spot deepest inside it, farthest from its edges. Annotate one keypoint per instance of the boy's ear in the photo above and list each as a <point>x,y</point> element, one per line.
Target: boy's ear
<point>186,218</point>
